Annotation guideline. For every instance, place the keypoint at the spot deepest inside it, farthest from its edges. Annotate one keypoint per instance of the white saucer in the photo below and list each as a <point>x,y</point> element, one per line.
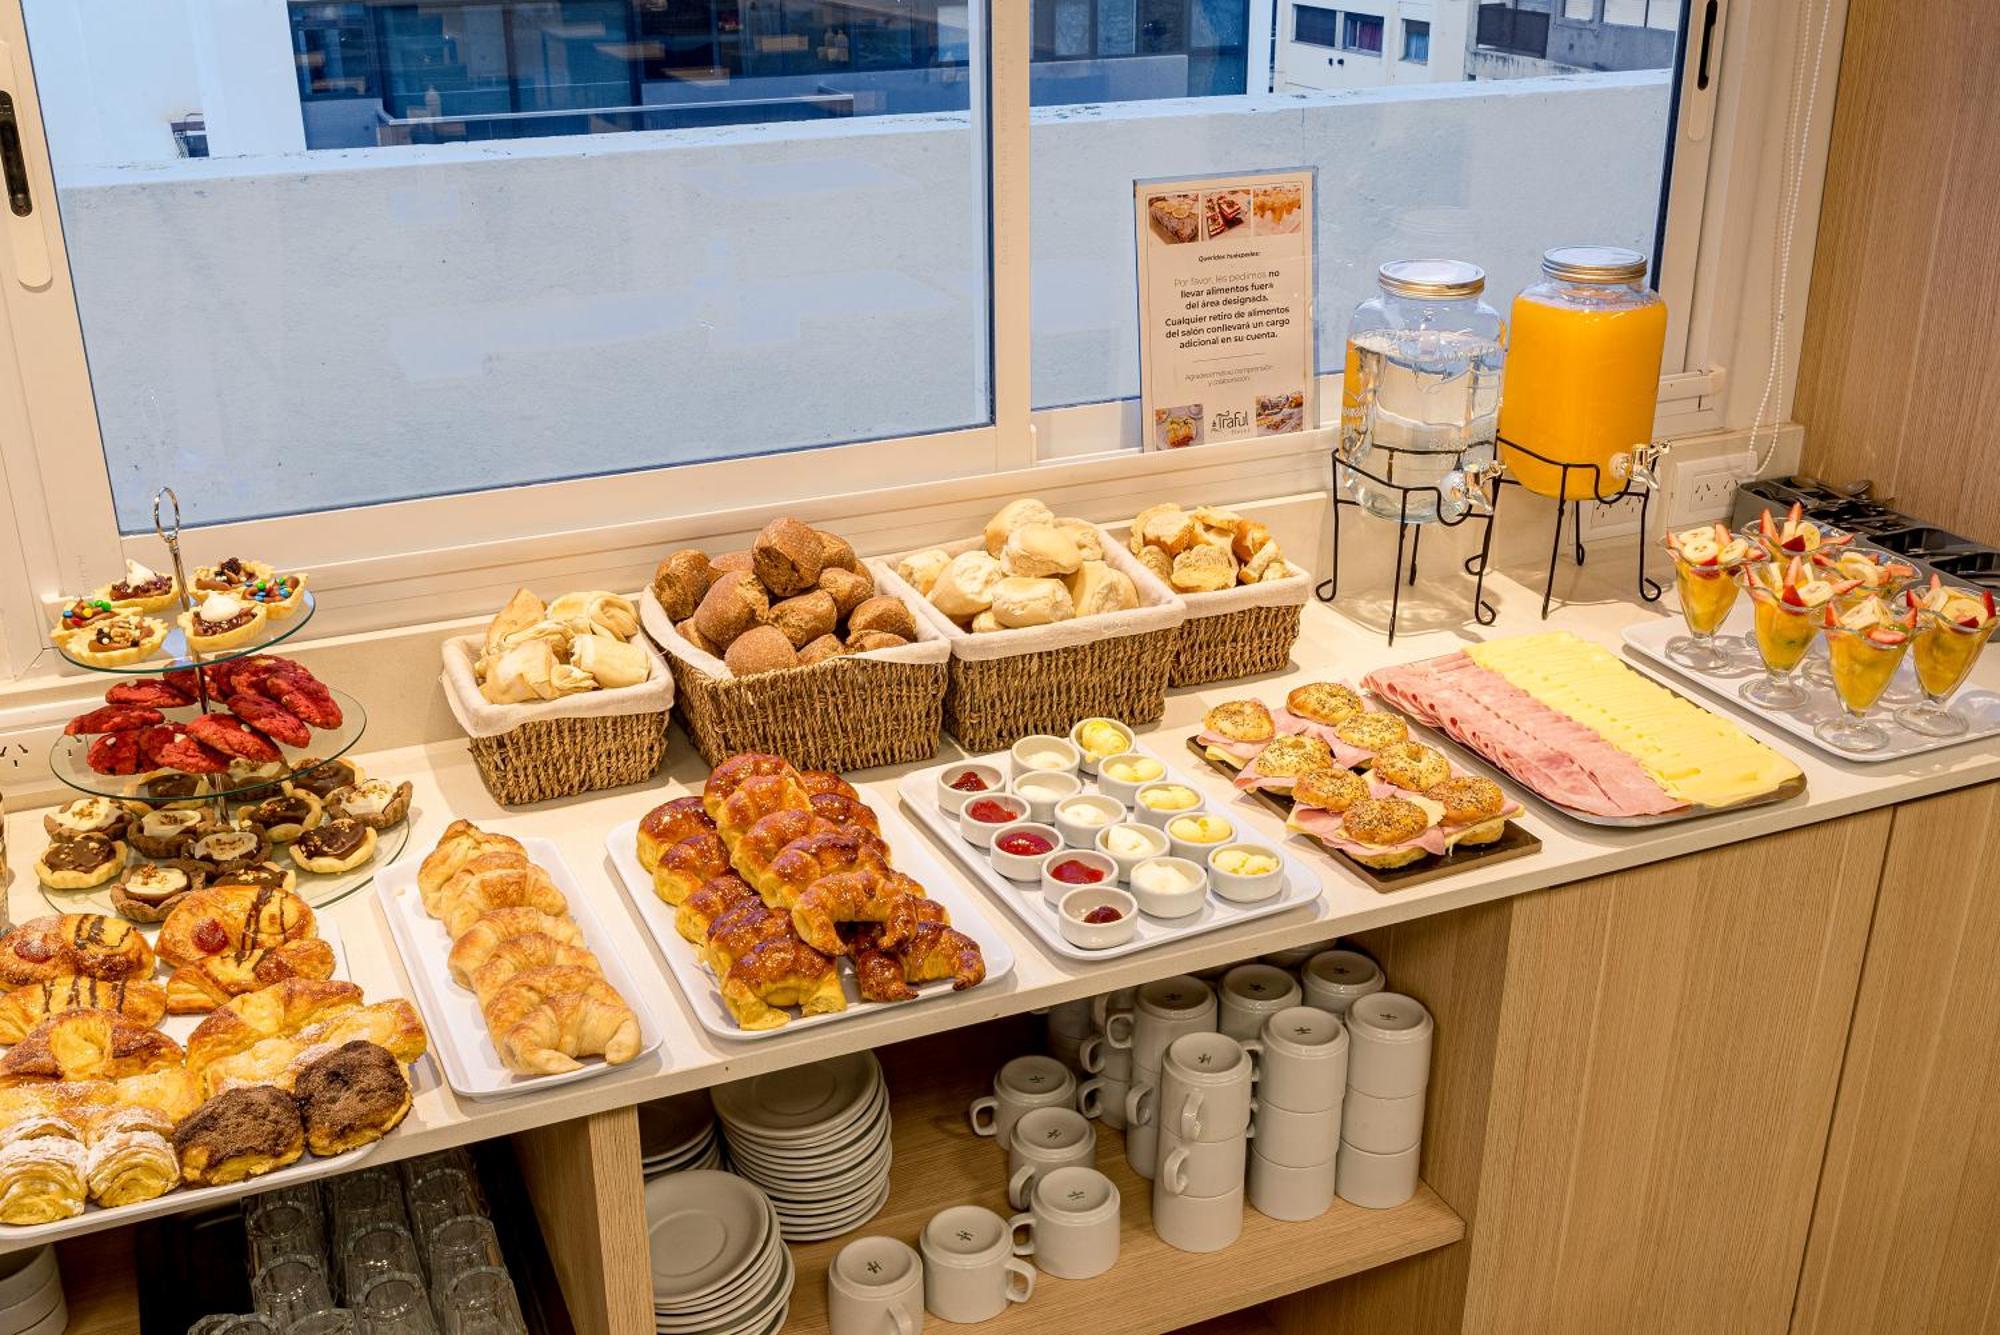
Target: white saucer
<point>769,1313</point>
<point>821,1229</point>
<point>740,1299</point>
<point>703,1228</point>
<point>866,1122</point>
<point>801,1104</point>
<point>789,1194</point>
<point>667,1126</point>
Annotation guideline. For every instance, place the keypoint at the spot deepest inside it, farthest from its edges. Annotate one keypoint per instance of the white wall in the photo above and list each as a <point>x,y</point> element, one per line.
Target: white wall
<point>334,328</point>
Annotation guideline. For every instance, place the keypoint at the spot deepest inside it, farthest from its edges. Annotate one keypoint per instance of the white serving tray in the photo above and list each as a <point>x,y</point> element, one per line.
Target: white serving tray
<point>465,1050</point>
<point>1978,699</point>
<point>698,985</point>
<point>1025,901</point>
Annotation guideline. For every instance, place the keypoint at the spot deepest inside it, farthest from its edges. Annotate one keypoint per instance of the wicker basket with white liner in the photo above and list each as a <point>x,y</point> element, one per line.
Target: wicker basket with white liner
<point>537,750</point>
<point>1005,684</point>
<point>856,711</point>
<point>1238,632</point>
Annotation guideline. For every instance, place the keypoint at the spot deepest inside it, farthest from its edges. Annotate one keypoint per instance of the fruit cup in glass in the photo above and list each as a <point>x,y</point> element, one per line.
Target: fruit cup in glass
<point>1787,604</point>
<point>1865,645</point>
<point>1953,626</point>
<point>1706,560</point>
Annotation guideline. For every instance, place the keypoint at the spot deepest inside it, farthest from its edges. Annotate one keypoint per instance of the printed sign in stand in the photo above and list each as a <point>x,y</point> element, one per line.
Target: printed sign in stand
<point>1225,307</point>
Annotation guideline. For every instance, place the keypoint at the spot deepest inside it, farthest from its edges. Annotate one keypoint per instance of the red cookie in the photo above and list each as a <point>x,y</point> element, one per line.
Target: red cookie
<point>115,753</point>
<point>273,720</point>
<point>113,718</point>
<point>153,740</point>
<point>191,757</point>
<point>311,702</point>
<point>232,737</point>
<point>152,692</point>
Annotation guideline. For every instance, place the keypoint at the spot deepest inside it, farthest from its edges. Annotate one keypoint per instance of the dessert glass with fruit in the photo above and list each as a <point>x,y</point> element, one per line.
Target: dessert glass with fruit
<point>1865,644</point>
<point>1866,572</point>
<point>1953,626</point>
<point>1787,602</point>
<point>1706,560</point>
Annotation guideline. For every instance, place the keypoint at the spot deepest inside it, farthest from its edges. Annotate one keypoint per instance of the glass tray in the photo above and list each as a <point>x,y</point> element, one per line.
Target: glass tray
<point>173,652</point>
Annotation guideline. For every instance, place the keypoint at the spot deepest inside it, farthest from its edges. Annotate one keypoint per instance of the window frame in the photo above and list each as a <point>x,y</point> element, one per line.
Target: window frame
<point>1715,274</point>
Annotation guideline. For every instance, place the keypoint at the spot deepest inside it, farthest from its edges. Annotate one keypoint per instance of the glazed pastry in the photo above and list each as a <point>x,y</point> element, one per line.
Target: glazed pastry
<point>839,810</point>
<point>207,983</point>
<point>736,771</point>
<point>763,842</point>
<point>533,951</point>
<point>687,865</point>
<point>148,891</point>
<point>934,951</point>
<point>878,975</point>
<point>352,1096</point>
<point>906,913</point>
<point>225,919</point>
<point>221,851</point>
<point>543,1019</point>
<point>461,842</point>
<point>781,972</point>
<point>87,1045</point>
<point>740,929</point>
<point>129,1155</point>
<point>88,945</point>
<point>175,792</point>
<point>669,823</point>
<point>240,1134</point>
<point>756,799</point>
<point>41,1177</point>
<point>222,621</point>
<point>492,930</point>
<point>142,590</point>
<point>822,781</point>
<point>699,911</point>
<point>269,1012</point>
<point>279,595</point>
<point>863,894</point>
<point>91,815</point>
<point>376,803</point>
<point>495,881</point>
<point>803,862</point>
<point>282,818</point>
<point>334,846</point>
<point>323,778</point>
<point>279,1061</point>
<point>140,1001</point>
<point>232,572</point>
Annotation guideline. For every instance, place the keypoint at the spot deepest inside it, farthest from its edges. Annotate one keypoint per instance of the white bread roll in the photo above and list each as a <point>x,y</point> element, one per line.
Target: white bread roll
<point>1039,550</point>
<point>965,587</point>
<point>1019,601</point>
<point>985,623</point>
<point>1096,587</point>
<point>1204,569</point>
<point>921,569</point>
<point>1012,515</point>
<point>1084,534</point>
<point>612,663</point>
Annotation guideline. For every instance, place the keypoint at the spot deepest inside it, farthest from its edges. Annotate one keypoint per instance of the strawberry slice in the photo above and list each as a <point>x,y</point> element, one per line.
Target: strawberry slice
<point>1887,636</point>
<point>1767,525</point>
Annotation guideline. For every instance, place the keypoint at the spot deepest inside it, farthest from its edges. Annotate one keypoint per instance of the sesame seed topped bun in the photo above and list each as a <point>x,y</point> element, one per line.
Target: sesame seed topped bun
<point>1372,731</point>
<point>1330,789</point>
<point>1290,756</point>
<point>1385,822</point>
<point>1411,765</point>
<point>1241,721</point>
<point>1324,702</point>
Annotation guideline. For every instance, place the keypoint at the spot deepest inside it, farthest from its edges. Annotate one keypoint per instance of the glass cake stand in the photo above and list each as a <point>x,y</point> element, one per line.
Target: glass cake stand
<point>174,655</point>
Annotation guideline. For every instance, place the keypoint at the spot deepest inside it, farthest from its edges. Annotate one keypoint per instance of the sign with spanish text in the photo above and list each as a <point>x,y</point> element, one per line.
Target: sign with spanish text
<point>1225,307</point>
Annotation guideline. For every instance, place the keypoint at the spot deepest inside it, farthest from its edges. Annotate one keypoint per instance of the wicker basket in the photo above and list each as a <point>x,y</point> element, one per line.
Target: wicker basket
<point>561,747</point>
<point>1008,684</point>
<point>847,713</point>
<point>1240,632</point>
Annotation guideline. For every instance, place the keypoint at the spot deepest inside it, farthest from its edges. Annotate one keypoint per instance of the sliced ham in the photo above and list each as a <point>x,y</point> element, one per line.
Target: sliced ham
<point>1243,751</point>
<point>1351,757</point>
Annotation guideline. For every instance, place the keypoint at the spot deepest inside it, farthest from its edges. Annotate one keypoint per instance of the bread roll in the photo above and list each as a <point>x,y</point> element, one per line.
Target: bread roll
<point>965,587</point>
<point>1274,572</point>
<point>1136,540</point>
<point>861,641</point>
<point>821,649</point>
<point>1203,569</point>
<point>524,609</point>
<point>921,569</point>
<point>805,618</point>
<point>1097,587</point>
<point>732,605</point>
<point>523,673</point>
<point>611,663</point>
<point>850,588</point>
<point>692,634</point>
<point>729,561</point>
<point>760,649</point>
<point>788,557</point>
<point>1012,515</point>
<point>836,552</point>
<point>1031,602</point>
<point>1083,533</point>
<point>1263,559</point>
<point>985,623</point>
<point>1158,562</point>
<point>681,580</point>
<point>1248,539</point>
<point>1213,516</point>
<point>1172,530</point>
<point>884,613</point>
<point>1038,550</point>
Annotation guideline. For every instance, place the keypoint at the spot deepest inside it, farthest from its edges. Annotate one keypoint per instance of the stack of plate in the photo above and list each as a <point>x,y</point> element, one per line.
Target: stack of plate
<point>678,1134</point>
<point>719,1265</point>
<point>31,1294</point>
<point>816,1139</point>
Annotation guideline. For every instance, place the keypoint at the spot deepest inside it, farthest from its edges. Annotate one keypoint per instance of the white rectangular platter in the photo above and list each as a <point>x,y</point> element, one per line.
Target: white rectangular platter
<point>698,985</point>
<point>1025,901</point>
<point>1978,700</point>
<point>464,1049</point>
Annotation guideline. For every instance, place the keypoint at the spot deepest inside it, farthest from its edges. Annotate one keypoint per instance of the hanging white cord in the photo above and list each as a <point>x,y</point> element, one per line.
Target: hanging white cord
<point>1798,137</point>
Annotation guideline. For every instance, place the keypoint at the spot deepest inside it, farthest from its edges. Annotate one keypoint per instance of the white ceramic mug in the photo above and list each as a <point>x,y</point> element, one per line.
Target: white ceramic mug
<point>1106,1004</point>
<point>1205,1087</point>
<point>1290,1193</point>
<point>1297,1139</point>
<point>875,1286</point>
<point>1113,1094</point>
<point>1068,1051</point>
<point>1375,1181</point>
<point>1071,1223</point>
<point>1142,1131</point>
<point>1197,1223</point>
<point>1294,957</point>
<point>1043,1140</point>
<point>1024,1083</point>
<point>1389,1045</point>
<point>1162,1011</point>
<point>1071,1018</point>
<point>1304,1066</point>
<point>1098,1057</point>
<point>1334,979</point>
<point>1250,995</point>
<point>970,1270</point>
<point>1200,1167</point>
<point>1382,1126</point>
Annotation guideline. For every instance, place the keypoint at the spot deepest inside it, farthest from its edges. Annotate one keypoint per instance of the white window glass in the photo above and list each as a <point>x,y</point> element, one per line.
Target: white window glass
<point>1580,9</point>
<point>1416,41</point>
<point>1471,169</point>
<point>1135,50</point>
<point>327,254</point>
<point>1663,15</point>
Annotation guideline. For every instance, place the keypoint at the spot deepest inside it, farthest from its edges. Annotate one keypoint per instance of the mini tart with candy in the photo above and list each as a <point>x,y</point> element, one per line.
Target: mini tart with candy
<point>232,573</point>
<point>376,803</point>
<point>280,595</point>
<point>80,861</point>
<point>283,816</point>
<point>118,640</point>
<point>76,615</point>
<point>148,891</point>
<point>222,620</point>
<point>142,590</point>
<point>337,845</point>
<point>91,815</point>
<point>167,833</point>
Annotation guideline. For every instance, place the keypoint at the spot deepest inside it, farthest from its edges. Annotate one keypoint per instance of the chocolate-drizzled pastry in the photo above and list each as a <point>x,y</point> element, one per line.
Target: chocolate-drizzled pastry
<point>341,844</point>
<point>174,790</point>
<point>321,779</point>
<point>239,1134</point>
<point>80,861</point>
<point>263,875</point>
<point>353,1095</point>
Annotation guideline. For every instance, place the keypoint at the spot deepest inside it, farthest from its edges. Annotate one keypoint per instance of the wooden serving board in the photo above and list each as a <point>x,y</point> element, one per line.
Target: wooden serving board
<point>1513,843</point>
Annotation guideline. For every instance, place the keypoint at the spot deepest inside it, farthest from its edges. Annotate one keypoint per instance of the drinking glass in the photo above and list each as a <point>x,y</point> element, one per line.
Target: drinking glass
<point>250,1323</point>
<point>1862,667</point>
<point>440,1197</point>
<point>482,1302</point>
<point>417,1169</point>
<point>326,1321</point>
<point>395,1304</point>
<point>384,1249</point>
<point>1707,592</point>
<point>1782,632</point>
<point>1945,652</point>
<point>284,1228</point>
<point>210,1325</point>
<point>467,1242</point>
<point>290,1287</point>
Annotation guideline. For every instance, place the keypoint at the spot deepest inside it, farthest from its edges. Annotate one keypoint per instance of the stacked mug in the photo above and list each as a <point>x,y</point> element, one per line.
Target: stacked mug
<point>1067,1028</point>
<point>1335,979</point>
<point>1302,1077</point>
<point>1382,1116</point>
<point>1252,994</point>
<point>1025,1084</point>
<point>1162,1011</point>
<point>1112,1065</point>
<point>1202,1111</point>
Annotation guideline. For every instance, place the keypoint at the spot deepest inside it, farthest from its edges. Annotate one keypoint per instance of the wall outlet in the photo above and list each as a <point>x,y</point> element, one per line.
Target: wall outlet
<point>1617,520</point>
<point>1698,490</point>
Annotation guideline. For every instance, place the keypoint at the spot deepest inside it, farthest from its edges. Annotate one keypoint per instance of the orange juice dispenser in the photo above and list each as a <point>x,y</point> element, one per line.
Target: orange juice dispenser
<point>1583,370</point>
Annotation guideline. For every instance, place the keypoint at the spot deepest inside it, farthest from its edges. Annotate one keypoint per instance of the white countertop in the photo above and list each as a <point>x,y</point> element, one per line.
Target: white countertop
<point>1331,647</point>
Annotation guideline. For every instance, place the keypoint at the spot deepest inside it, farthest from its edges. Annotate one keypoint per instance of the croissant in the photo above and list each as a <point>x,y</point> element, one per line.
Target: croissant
<point>532,951</point>
<point>475,890</point>
<point>741,929</point>
<point>760,845</point>
<point>206,984</point>
<point>141,1002</point>
<point>734,772</point>
<point>282,1008</point>
<point>935,951</point>
<point>824,782</point>
<point>906,913</point>
<point>669,823</point>
<point>87,1045</point>
<point>221,919</point>
<point>878,975</point>
<point>803,862</point>
<point>461,842</point>
<point>493,928</point>
<point>866,894</point>
<point>698,912</point>
<point>543,1019</point>
<point>757,798</point>
<point>839,809</point>
<point>784,971</point>
<point>689,865</point>
<point>41,1179</point>
<point>89,944</point>
<point>129,1157</point>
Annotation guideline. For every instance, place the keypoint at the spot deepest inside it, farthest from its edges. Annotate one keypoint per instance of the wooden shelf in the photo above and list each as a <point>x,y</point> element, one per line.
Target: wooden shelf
<point>1154,1287</point>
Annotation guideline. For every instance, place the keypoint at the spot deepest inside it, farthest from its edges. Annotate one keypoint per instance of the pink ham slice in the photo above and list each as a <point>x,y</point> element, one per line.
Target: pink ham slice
<point>1351,757</point>
<point>1243,751</point>
<point>1325,826</point>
